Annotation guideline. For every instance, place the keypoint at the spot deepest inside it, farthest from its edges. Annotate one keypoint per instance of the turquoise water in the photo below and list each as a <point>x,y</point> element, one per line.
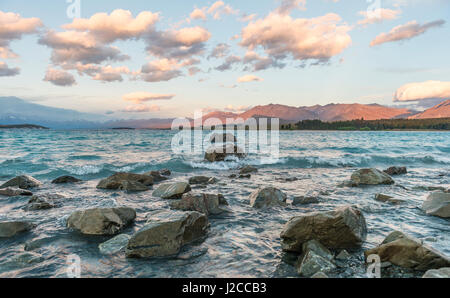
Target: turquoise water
<point>243,243</point>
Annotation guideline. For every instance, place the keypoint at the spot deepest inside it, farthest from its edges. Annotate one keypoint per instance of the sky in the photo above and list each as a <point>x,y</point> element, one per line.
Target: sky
<point>158,59</point>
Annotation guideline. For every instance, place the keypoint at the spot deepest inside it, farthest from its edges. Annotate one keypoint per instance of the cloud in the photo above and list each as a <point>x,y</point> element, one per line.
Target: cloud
<point>216,10</point>
<point>220,50</point>
<point>160,70</point>
<point>260,63</point>
<point>141,109</point>
<point>59,78</point>
<point>237,109</point>
<point>228,63</point>
<point>378,15</point>
<point>5,71</point>
<point>12,27</point>
<point>405,32</point>
<point>423,91</point>
<point>287,6</point>
<point>249,78</point>
<point>139,97</point>
<point>197,14</point>
<point>281,37</point>
<point>193,70</point>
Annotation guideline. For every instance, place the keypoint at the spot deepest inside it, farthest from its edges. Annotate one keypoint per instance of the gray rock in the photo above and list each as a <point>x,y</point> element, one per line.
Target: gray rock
<point>245,176</point>
<point>318,248</point>
<point>248,169</point>
<point>157,176</point>
<point>387,199</point>
<point>370,177</point>
<point>343,255</point>
<point>437,273</point>
<point>65,179</point>
<point>303,200</point>
<point>200,202</point>
<point>344,227</point>
<point>222,138</point>
<point>171,190</point>
<point>166,233</point>
<point>165,172</point>
<point>267,197</point>
<point>44,201</point>
<point>220,153</point>
<point>437,204</point>
<point>319,275</point>
<point>12,228</point>
<point>12,192</point>
<point>114,245</point>
<point>312,263</point>
<point>23,182</point>
<point>126,181</point>
<point>202,180</point>
<point>192,254</point>
<point>101,221</point>
<point>395,171</point>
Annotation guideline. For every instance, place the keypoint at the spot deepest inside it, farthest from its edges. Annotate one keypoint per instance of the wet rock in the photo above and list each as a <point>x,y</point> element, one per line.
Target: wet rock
<point>387,199</point>
<point>200,202</point>
<point>114,245</point>
<point>171,190</point>
<point>66,179</point>
<point>344,227</point>
<point>370,177</point>
<point>437,204</point>
<point>312,263</point>
<point>220,153</point>
<point>157,176</point>
<point>12,228</point>
<point>165,172</point>
<point>318,248</point>
<point>192,254</point>
<point>21,260</point>
<point>248,169</point>
<point>126,181</point>
<point>343,255</point>
<point>232,176</point>
<point>319,275</point>
<point>166,233</point>
<point>202,180</point>
<point>290,179</point>
<point>408,252</point>
<point>12,192</point>
<point>101,221</point>
<point>395,171</point>
<point>245,176</point>
<point>267,197</point>
<point>303,200</point>
<point>44,201</point>
<point>222,138</point>
<point>23,182</point>
<point>437,273</point>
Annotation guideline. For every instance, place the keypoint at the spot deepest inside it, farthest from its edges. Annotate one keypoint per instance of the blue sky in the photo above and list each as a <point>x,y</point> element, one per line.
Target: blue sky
<point>356,72</point>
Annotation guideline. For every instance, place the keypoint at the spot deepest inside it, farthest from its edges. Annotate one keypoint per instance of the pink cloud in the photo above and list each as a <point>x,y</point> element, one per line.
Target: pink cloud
<point>59,78</point>
<point>422,91</point>
<point>140,97</point>
<point>249,78</point>
<point>378,15</point>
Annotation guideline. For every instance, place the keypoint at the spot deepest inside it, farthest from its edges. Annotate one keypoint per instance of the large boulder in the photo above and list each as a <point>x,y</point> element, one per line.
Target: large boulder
<point>166,233</point>
<point>437,273</point>
<point>11,228</point>
<point>220,153</point>
<point>101,221</point>
<point>437,204</point>
<point>171,190</point>
<point>395,171</point>
<point>370,177</point>
<point>344,227</point>
<point>267,197</point>
<point>65,179</point>
<point>222,138</point>
<point>126,181</point>
<point>406,251</point>
<point>23,182</point>
<point>13,191</point>
<point>114,245</point>
<point>201,202</point>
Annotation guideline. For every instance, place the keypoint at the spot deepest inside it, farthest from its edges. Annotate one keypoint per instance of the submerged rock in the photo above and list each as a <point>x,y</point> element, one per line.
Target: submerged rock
<point>101,221</point>
<point>11,228</point>
<point>23,182</point>
<point>222,138</point>
<point>202,180</point>
<point>318,248</point>
<point>66,179</point>
<point>171,190</point>
<point>166,233</point>
<point>437,204</point>
<point>313,263</point>
<point>44,201</point>
<point>267,197</point>
<point>302,200</point>
<point>245,176</point>
<point>343,255</point>
<point>395,171</point>
<point>408,252</point>
<point>202,202</point>
<point>219,153</point>
<point>370,177</point>
<point>387,199</point>
<point>12,192</point>
<point>437,273</point>
<point>158,176</point>
<point>344,227</point>
<point>126,181</point>
<point>248,169</point>
<point>114,245</point>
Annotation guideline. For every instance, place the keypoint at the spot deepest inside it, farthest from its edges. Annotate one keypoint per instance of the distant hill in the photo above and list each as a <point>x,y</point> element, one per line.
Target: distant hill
<point>30,126</point>
<point>441,110</point>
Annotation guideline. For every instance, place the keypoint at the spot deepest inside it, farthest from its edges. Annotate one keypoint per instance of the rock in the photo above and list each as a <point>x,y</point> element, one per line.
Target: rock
<point>166,233</point>
<point>302,200</point>
<point>319,275</point>
<point>395,171</point>
<point>171,190</point>
<point>192,254</point>
<point>157,176</point>
<point>437,204</point>
<point>343,255</point>
<point>11,228</point>
<point>114,245</point>
<point>12,192</point>
<point>312,263</point>
<point>370,177</point>
<point>437,273</point>
<point>126,181</point>
<point>232,176</point>
<point>248,169</point>
<point>290,179</point>
<point>23,182</point>
<point>203,203</point>
<point>101,221</point>
<point>44,201</point>
<point>344,227</point>
<point>220,153</point>
<point>387,199</point>
<point>267,197</point>
<point>202,180</point>
<point>66,179</point>
<point>408,252</point>
<point>245,176</point>
<point>165,172</point>
<point>222,138</point>
<point>318,248</point>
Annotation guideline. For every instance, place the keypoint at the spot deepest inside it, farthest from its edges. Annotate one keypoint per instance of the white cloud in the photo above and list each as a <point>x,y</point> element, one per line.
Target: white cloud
<point>378,15</point>
<point>249,78</point>
<point>139,97</point>
<point>141,109</point>
<point>423,91</point>
<point>59,77</point>
<point>287,6</point>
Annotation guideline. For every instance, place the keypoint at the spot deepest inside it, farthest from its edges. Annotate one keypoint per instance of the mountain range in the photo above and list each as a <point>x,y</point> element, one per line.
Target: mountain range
<point>14,110</point>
